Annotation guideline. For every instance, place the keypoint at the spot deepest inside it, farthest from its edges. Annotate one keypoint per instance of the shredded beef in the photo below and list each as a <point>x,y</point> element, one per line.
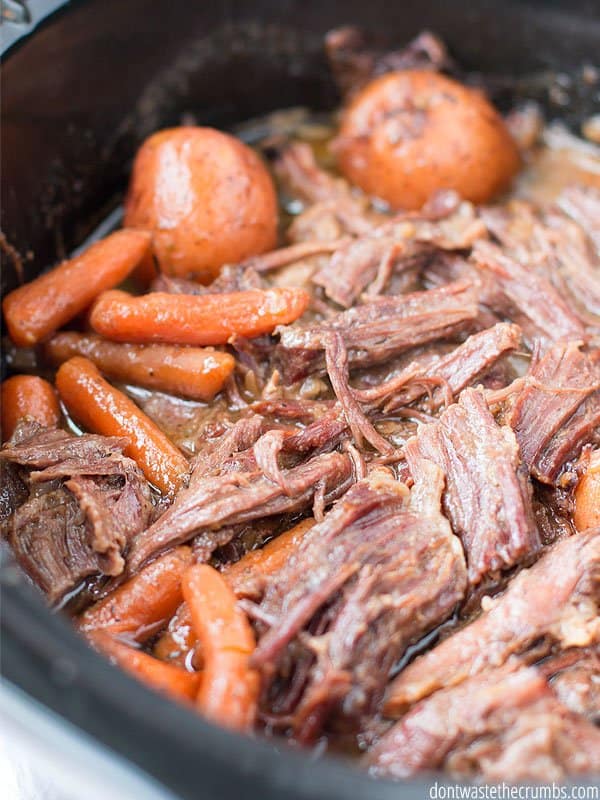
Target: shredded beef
<point>401,247</point>
<point>556,247</point>
<point>557,600</point>
<point>575,679</point>
<point>336,360</point>
<point>367,261</point>
<point>349,212</point>
<point>241,492</point>
<point>379,330</point>
<point>488,494</point>
<point>526,297</point>
<point>506,723</point>
<point>376,574</point>
<point>574,264</point>
<point>557,411</point>
<point>85,501</point>
<point>216,452</point>
<point>442,376</point>
<point>582,204</point>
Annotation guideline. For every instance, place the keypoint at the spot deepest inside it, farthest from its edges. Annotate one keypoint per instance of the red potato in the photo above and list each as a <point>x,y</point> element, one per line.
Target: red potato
<point>28,396</point>
<point>587,496</point>
<point>205,196</point>
<point>409,134</point>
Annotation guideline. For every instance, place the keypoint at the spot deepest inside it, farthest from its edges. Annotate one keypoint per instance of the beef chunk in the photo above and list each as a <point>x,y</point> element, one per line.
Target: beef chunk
<point>379,330</point>
<point>555,600</point>
<point>375,575</point>
<point>239,491</point>
<point>558,410</point>
<point>354,62</point>
<point>505,723</point>
<point>85,500</point>
<point>526,297</point>
<point>488,494</point>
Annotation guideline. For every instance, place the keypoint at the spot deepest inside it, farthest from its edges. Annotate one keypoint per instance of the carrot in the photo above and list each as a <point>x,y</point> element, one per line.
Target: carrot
<point>195,319</point>
<point>37,309</point>
<point>143,604</point>
<point>587,496</point>
<point>268,560</point>
<point>167,678</point>
<point>176,642</point>
<point>186,371</point>
<point>103,409</point>
<point>229,689</point>
<point>28,396</point>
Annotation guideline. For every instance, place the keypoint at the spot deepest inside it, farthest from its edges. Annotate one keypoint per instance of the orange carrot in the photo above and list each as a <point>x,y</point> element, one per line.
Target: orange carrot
<point>143,604</point>
<point>101,408</point>
<point>195,319</point>
<point>187,371</point>
<point>37,309</point>
<point>268,560</point>
<point>179,639</point>
<point>28,396</point>
<point>229,689</point>
<point>178,642</point>
<point>167,678</point>
<point>587,496</point>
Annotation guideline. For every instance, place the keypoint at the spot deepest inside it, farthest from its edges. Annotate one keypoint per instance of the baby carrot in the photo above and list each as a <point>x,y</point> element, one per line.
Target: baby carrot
<point>37,309</point>
<point>167,678</point>
<point>101,408</point>
<point>27,396</point>
<point>229,689</point>
<point>145,602</point>
<point>186,371</point>
<point>587,496</point>
<point>179,638</point>
<point>195,319</point>
<point>268,560</point>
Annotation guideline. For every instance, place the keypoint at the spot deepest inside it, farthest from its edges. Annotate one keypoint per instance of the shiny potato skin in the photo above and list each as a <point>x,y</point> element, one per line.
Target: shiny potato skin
<point>410,133</point>
<point>207,198</point>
